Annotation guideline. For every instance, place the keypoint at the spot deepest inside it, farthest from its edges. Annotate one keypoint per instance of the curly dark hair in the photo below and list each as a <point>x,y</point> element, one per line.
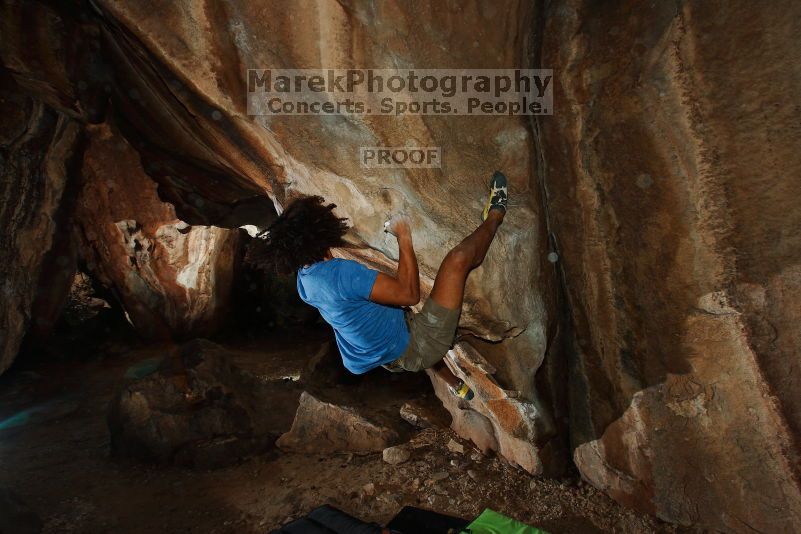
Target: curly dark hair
<point>300,236</point>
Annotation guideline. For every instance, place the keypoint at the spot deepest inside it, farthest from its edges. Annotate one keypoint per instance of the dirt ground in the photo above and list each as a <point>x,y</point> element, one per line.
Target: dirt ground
<point>54,445</point>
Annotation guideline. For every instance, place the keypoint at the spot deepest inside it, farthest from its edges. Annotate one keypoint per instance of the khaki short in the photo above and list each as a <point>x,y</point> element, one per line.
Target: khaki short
<point>431,336</point>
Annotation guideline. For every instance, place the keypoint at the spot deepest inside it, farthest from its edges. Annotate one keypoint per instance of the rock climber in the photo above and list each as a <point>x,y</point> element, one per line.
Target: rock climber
<point>368,309</point>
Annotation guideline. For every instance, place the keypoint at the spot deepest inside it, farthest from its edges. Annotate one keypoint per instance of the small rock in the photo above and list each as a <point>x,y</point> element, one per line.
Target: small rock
<point>476,456</point>
<point>390,499</point>
<point>396,455</point>
<point>369,489</point>
<point>437,502</point>
<point>472,474</point>
<point>439,475</point>
<point>455,446</point>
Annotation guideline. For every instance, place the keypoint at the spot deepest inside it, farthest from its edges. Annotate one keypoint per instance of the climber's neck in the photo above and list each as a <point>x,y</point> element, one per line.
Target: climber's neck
<point>328,256</point>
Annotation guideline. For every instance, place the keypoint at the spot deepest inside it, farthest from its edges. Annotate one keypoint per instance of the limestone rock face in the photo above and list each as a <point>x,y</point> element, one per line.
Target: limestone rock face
<point>174,85</point>
<point>171,278</point>
<point>324,427</point>
<point>673,167</point>
<point>38,148</point>
<point>178,92</point>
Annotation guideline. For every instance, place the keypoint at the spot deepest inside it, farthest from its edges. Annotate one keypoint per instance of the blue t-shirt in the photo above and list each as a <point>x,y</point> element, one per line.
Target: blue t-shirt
<point>368,334</point>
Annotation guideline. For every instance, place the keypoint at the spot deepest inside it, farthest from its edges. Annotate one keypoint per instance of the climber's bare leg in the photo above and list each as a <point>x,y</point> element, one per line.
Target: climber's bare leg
<point>449,284</point>
<point>448,290</point>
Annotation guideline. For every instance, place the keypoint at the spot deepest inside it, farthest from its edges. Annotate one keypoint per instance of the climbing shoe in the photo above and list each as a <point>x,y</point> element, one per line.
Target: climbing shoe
<point>462,391</point>
<point>497,195</point>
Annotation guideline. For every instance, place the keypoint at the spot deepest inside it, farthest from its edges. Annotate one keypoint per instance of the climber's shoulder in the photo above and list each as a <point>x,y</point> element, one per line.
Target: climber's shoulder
<point>346,266</point>
<point>347,278</point>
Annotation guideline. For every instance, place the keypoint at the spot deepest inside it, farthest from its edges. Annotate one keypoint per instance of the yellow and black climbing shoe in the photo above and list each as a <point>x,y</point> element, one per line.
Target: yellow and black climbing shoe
<point>498,194</point>
<point>462,391</point>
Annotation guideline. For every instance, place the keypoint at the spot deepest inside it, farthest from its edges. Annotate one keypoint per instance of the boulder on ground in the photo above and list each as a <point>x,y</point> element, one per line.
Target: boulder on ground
<point>323,427</point>
<point>219,419</point>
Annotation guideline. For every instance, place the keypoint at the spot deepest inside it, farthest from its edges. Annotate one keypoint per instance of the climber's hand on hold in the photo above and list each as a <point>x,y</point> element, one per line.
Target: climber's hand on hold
<point>399,226</point>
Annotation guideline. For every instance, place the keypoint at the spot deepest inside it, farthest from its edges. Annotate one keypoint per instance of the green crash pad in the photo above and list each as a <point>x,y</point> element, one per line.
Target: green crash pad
<point>490,522</point>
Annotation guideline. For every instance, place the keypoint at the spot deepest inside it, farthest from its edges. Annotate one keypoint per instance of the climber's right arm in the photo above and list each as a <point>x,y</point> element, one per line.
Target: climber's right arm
<point>404,288</point>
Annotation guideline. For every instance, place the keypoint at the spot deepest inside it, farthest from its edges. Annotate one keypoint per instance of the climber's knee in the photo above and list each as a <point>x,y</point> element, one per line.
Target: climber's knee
<point>459,259</point>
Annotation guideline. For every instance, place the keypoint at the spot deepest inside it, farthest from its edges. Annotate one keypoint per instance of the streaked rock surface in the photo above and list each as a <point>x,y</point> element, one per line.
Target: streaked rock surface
<point>38,149</point>
<point>673,167</point>
<point>172,279</point>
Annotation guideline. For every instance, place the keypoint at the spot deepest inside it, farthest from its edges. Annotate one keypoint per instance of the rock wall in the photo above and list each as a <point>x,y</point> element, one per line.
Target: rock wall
<point>173,85</point>
<point>199,55</point>
<point>673,166</point>
<point>38,147</point>
<point>172,279</point>
<point>178,94</point>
